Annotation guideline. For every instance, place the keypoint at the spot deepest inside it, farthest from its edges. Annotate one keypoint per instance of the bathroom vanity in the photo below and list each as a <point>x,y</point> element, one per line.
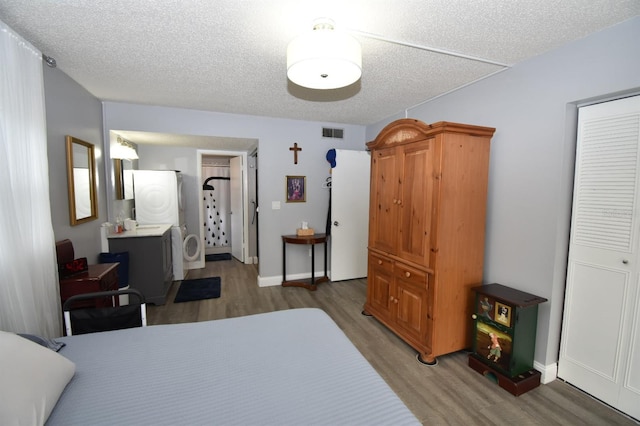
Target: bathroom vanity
<point>150,262</point>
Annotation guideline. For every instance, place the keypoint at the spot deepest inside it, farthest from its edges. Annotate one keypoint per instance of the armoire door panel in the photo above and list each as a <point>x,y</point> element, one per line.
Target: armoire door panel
<point>380,284</point>
<point>416,188</point>
<point>411,306</point>
<point>384,207</point>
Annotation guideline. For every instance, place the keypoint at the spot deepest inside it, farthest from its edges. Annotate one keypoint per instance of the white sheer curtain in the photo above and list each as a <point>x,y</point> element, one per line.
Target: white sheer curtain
<point>29,298</point>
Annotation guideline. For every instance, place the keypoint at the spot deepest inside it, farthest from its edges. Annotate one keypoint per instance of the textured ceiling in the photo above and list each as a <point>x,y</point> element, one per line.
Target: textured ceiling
<point>230,55</point>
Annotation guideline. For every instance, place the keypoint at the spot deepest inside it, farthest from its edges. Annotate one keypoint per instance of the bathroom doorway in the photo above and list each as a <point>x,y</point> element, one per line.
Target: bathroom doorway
<point>216,200</point>
<point>224,208</point>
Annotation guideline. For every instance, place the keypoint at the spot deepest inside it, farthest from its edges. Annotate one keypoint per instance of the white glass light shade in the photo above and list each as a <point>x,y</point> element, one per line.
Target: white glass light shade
<point>123,150</point>
<point>324,59</point>
<point>117,151</point>
<point>133,154</point>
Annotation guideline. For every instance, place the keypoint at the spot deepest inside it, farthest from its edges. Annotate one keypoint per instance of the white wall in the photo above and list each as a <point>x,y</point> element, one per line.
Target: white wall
<point>276,161</point>
<point>71,110</point>
<point>533,108</point>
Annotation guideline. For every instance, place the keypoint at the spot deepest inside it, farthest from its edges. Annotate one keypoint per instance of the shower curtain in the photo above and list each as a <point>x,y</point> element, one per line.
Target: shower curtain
<point>217,206</point>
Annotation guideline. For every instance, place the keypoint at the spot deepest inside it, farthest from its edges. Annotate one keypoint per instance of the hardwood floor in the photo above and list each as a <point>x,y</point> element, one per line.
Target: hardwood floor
<point>450,393</point>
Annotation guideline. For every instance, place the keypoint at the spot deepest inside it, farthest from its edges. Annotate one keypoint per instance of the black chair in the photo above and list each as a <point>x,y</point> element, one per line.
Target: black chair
<point>91,320</point>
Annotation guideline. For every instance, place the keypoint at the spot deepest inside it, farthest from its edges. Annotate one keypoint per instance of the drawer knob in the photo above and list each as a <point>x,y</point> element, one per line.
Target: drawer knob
<point>625,261</point>
<point>474,316</point>
<point>379,262</point>
<point>407,274</point>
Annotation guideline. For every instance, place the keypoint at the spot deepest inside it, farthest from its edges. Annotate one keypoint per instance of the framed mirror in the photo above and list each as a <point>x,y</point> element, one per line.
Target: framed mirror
<point>81,180</point>
<point>123,173</point>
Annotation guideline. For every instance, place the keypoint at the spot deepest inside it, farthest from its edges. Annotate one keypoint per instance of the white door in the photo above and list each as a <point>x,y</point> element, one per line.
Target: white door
<point>600,347</point>
<point>237,213</point>
<point>349,214</point>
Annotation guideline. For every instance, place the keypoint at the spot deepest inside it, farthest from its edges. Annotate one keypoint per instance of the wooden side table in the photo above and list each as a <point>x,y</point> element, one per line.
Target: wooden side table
<point>98,277</point>
<point>308,240</point>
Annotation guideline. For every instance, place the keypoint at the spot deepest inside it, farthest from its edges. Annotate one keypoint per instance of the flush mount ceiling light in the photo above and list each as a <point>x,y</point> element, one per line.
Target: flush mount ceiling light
<point>324,58</point>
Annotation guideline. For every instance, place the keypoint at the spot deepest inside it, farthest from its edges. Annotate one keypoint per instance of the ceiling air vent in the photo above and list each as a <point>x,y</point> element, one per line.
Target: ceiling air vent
<point>332,133</point>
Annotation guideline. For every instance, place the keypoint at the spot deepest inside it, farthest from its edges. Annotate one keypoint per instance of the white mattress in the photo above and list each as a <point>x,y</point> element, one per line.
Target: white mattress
<point>292,367</point>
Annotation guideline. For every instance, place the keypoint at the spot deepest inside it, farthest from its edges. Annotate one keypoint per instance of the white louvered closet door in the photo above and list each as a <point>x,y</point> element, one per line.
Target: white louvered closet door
<point>600,347</point>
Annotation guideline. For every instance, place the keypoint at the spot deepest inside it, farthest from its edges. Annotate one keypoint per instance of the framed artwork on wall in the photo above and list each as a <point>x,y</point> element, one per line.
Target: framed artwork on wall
<point>296,189</point>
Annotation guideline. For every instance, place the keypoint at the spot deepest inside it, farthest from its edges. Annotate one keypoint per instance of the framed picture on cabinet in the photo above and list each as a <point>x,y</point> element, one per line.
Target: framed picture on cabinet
<point>503,314</point>
<point>296,189</point>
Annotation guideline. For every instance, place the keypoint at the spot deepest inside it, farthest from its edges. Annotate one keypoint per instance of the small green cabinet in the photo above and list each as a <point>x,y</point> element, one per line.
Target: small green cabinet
<point>504,336</point>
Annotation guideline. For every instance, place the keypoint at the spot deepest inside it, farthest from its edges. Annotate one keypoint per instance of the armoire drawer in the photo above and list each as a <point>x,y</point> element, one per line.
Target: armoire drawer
<point>410,275</point>
<point>381,263</point>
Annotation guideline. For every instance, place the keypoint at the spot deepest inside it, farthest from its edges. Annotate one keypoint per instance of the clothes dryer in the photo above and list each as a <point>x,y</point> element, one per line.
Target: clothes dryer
<point>158,199</point>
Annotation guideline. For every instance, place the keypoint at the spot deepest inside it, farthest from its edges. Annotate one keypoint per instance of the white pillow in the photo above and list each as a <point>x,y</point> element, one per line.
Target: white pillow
<point>32,379</point>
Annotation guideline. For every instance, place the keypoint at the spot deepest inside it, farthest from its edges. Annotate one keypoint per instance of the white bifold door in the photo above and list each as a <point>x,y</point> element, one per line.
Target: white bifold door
<point>600,344</point>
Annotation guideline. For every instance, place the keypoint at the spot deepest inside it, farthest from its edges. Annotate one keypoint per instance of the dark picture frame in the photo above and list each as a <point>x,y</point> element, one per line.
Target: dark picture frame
<point>296,189</point>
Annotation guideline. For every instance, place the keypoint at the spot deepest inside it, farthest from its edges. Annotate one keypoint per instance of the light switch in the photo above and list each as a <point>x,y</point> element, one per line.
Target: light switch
<point>275,205</point>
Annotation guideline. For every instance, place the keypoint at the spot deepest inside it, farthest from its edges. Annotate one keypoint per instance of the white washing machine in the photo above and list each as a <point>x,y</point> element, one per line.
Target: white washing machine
<point>185,248</point>
<point>178,235</point>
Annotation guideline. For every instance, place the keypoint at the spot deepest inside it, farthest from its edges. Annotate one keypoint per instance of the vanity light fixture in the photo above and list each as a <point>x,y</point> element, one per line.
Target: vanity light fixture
<point>124,149</point>
<point>324,58</point>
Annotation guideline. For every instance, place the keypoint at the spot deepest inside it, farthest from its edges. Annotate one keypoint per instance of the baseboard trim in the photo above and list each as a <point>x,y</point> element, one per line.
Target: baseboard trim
<point>548,372</point>
<point>269,281</point>
<point>277,280</point>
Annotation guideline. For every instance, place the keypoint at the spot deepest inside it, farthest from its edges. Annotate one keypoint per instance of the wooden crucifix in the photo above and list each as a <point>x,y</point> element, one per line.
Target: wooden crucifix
<point>295,150</point>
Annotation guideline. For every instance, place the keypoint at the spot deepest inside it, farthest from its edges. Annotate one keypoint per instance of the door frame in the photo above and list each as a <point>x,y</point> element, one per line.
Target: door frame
<point>245,201</point>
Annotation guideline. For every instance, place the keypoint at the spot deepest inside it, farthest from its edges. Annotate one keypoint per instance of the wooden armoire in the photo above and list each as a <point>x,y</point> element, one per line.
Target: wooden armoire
<point>426,231</point>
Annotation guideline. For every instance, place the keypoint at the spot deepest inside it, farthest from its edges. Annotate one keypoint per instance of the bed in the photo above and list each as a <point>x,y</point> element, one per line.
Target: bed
<point>293,367</point>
